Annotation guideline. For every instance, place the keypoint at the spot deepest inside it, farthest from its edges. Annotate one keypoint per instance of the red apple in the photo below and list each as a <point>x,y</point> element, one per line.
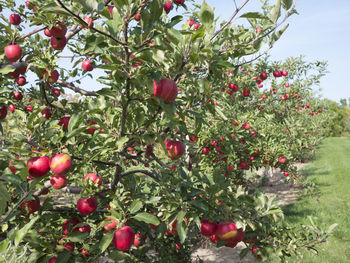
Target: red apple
<point>95,178</point>
<point>234,241</point>
<point>30,206</point>
<point>67,225</point>
<point>85,253</point>
<point>277,74</point>
<point>123,238</point>
<point>196,26</point>
<point>58,31</point>
<point>64,121</point>
<point>29,108</point>
<point>18,95</point>
<point>69,245</point>
<point>46,112</point>
<point>47,32</point>
<point>52,260</point>
<point>175,149</point>
<point>246,126</point>
<point>87,65</point>
<point>214,239</point>
<point>190,22</point>
<point>205,150</point>
<point>246,92</point>
<point>52,77</point>
<point>58,181</point>
<point>263,76</point>
<point>166,89</point>
<point>56,92</point>
<point>58,43</point>
<point>282,159</point>
<point>208,228</point>
<point>138,240</point>
<point>21,81</point>
<point>226,231</point>
<point>3,112</point>
<point>15,19</point>
<point>89,21</point>
<point>179,2</point>
<point>85,228</point>
<point>168,6</point>
<point>13,52</point>
<point>138,17</point>
<point>233,87</point>
<point>91,131</point>
<point>284,73</point>
<point>87,206</point>
<point>111,226</point>
<point>110,9</point>
<point>61,164</point>
<point>38,166</point>
<point>255,252</point>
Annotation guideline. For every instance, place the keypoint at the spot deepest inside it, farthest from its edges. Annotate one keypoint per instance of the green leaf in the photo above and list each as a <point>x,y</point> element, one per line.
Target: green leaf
<point>276,11</point>
<point>106,241</point>
<point>147,218</point>
<point>120,143</point>
<point>90,5</point>
<point>254,15</point>
<point>135,206</point>
<point>118,255</point>
<point>331,228</point>
<point>279,33</point>
<point>221,113</point>
<point>156,9</point>
<point>63,257</point>
<point>20,234</point>
<point>7,69</point>
<point>287,4</point>
<point>75,121</point>
<point>4,245</point>
<point>243,253</point>
<point>174,36</point>
<point>206,15</point>
<point>199,205</point>
<point>77,236</point>
<point>180,216</point>
<point>182,231</point>
<point>4,195</point>
<point>54,9</point>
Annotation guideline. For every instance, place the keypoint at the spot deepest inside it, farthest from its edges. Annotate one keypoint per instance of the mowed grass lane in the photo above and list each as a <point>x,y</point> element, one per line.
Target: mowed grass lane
<point>330,170</point>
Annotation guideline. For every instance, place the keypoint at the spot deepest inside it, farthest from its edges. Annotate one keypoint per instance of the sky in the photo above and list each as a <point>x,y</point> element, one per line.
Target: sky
<point>319,32</point>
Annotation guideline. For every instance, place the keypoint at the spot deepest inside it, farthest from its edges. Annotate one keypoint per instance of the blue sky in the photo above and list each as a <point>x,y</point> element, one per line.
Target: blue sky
<point>320,32</point>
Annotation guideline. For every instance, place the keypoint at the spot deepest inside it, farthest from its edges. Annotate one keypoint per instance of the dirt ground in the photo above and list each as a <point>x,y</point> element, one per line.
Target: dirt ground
<point>282,191</point>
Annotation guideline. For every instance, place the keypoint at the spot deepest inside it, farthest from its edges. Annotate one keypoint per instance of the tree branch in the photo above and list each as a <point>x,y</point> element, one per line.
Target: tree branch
<point>31,33</point>
<point>76,89</point>
<point>230,20</point>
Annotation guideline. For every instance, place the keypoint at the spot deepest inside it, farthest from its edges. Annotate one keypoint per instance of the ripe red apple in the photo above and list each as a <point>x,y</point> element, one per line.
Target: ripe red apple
<point>175,149</point>
<point>277,74</point>
<point>226,230</point>
<point>282,159</point>
<point>168,6</point>
<point>3,112</point>
<point>111,226</point>
<point>38,166</point>
<point>123,238</point>
<point>30,206</point>
<point>52,77</point>
<point>68,225</point>
<point>205,150</point>
<point>284,73</point>
<point>52,260</point>
<point>208,228</point>
<point>13,52</point>
<point>12,108</point>
<point>15,19</point>
<point>233,87</point>
<point>166,89</point>
<point>58,43</point>
<point>196,26</point>
<point>29,108</point>
<point>85,253</point>
<point>91,131</point>
<point>263,76</point>
<point>138,17</point>
<point>47,32</point>
<point>87,206</point>
<point>56,92</point>
<point>179,2</point>
<point>95,178</point>
<point>84,228</point>
<point>214,239</point>
<point>64,121</point>
<point>246,126</point>
<point>89,21</point>
<point>87,65</point>
<point>190,22</point>
<point>255,252</point>
<point>21,81</point>
<point>138,240</point>
<point>18,95</point>
<point>110,9</point>
<point>58,181</point>
<point>46,112</point>
<point>69,245</point>
<point>246,92</point>
<point>58,31</point>
<point>61,164</point>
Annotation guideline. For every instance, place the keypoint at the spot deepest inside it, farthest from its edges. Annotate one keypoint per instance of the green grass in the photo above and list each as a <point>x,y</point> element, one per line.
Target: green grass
<point>330,170</point>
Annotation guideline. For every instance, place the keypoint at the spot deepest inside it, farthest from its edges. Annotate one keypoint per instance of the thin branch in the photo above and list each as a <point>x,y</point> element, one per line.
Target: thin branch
<point>95,161</point>
<point>230,20</point>
<point>116,177</point>
<point>31,33</point>
<point>86,24</point>
<point>43,91</point>
<point>76,89</point>
<point>145,172</point>
<point>257,57</point>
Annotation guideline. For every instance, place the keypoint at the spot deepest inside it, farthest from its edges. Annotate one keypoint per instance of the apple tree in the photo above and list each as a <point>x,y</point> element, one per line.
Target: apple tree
<point>156,157</point>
